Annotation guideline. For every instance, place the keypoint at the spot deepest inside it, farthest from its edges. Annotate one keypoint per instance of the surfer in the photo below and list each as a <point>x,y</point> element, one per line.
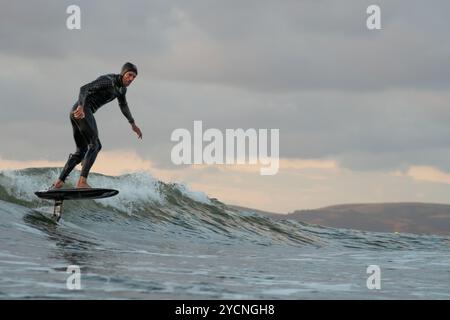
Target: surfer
<point>92,96</point>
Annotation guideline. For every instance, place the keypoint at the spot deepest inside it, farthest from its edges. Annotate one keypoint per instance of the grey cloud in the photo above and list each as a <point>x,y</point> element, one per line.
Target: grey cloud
<point>263,45</point>
<point>109,29</point>
<point>372,100</point>
<point>303,45</point>
<point>259,45</point>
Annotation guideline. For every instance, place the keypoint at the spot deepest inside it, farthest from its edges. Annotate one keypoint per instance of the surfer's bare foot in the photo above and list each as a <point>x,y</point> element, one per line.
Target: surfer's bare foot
<point>58,184</point>
<point>82,183</point>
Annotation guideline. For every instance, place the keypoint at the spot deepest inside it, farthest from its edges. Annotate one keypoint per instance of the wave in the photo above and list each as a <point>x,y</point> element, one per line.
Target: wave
<point>147,207</point>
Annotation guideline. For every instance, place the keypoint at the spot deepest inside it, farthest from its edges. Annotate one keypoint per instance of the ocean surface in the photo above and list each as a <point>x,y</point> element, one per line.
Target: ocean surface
<point>157,240</point>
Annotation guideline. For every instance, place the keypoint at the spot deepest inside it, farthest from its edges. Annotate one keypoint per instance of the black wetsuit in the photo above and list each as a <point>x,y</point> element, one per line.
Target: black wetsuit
<point>92,96</point>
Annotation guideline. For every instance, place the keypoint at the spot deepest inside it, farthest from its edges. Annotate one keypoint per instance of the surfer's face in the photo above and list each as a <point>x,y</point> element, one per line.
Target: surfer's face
<point>128,78</point>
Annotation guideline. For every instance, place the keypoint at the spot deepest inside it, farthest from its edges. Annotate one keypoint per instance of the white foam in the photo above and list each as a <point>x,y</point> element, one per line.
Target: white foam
<point>22,185</point>
<point>135,190</point>
<point>198,196</point>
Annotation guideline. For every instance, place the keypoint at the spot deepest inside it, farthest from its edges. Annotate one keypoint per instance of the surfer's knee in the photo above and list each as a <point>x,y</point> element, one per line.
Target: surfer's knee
<point>95,145</point>
<point>79,154</point>
<point>77,157</point>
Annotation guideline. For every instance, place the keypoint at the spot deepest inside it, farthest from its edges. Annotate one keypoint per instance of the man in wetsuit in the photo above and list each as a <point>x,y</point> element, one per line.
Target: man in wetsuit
<point>92,96</point>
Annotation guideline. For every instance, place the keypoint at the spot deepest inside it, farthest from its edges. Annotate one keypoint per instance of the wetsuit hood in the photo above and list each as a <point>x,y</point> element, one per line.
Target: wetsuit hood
<point>128,67</point>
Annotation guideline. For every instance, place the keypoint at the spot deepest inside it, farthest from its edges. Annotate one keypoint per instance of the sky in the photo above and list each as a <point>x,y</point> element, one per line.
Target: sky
<point>363,114</point>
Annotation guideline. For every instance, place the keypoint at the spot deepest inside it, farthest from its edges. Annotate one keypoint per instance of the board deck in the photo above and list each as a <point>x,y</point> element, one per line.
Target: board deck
<point>76,194</point>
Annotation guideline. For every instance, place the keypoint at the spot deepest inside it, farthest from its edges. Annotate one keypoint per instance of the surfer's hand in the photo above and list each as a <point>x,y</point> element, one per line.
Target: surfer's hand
<point>137,130</point>
<point>79,112</point>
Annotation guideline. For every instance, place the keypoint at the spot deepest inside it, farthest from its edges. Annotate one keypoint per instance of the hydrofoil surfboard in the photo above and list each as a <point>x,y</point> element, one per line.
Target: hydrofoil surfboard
<point>59,195</point>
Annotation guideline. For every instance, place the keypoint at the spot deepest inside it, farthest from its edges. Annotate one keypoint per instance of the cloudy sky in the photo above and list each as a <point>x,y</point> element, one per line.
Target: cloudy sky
<point>364,115</point>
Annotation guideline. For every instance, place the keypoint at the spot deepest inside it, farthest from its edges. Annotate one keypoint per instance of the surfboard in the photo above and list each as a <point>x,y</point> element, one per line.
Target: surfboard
<point>59,195</point>
<point>76,194</point>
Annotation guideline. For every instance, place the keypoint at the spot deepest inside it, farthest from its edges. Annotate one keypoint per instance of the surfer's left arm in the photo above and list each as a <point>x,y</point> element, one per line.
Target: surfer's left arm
<point>127,113</point>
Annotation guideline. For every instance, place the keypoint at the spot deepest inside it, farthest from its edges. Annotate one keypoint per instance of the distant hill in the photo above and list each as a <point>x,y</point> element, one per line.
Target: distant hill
<point>419,218</point>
